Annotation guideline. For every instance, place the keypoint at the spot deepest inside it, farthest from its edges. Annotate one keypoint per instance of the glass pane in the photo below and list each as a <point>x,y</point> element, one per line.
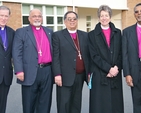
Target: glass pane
<point>25,20</point>
<point>88,29</point>
<point>59,27</point>
<point>59,20</point>
<point>49,10</point>
<point>88,18</point>
<point>60,10</point>
<point>50,20</point>
<point>25,9</point>
<point>38,7</point>
<point>88,24</point>
<point>51,27</point>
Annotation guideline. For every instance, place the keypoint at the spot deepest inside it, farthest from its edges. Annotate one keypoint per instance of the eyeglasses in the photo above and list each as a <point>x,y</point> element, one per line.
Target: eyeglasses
<point>35,16</point>
<point>71,19</point>
<point>137,11</point>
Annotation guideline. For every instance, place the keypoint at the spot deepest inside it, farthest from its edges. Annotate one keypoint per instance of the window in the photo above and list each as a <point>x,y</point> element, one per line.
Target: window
<point>52,15</point>
<point>88,23</point>
<point>25,13</point>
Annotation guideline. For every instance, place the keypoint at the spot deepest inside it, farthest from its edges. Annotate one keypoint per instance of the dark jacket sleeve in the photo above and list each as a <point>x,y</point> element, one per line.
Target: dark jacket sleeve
<point>56,57</point>
<point>98,61</point>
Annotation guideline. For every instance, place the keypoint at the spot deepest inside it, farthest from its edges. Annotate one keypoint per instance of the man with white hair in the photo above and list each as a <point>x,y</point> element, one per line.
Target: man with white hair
<point>32,57</point>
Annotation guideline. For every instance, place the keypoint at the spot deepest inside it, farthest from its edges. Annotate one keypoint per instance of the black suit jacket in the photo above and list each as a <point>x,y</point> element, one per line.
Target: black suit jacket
<point>25,55</point>
<point>6,69</point>
<point>65,53</point>
<point>131,64</point>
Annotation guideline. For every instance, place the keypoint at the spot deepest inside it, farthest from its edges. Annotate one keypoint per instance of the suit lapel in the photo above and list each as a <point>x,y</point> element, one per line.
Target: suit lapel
<point>1,43</point>
<point>9,39</point>
<point>68,37</point>
<point>48,35</point>
<point>134,37</point>
<point>31,35</point>
<point>80,39</point>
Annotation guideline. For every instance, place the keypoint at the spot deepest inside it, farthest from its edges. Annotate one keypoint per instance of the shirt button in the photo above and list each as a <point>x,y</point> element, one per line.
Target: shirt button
<point>74,59</point>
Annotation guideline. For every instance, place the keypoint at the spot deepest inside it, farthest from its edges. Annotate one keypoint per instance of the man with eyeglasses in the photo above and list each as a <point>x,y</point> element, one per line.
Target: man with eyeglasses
<point>32,57</point>
<point>6,69</point>
<point>70,64</point>
<point>132,58</point>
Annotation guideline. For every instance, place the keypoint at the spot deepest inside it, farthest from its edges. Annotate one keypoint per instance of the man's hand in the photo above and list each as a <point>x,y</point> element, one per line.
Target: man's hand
<point>20,76</point>
<point>129,80</point>
<point>58,80</point>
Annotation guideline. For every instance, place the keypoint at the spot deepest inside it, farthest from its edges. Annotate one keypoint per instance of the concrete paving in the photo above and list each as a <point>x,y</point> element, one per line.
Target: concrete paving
<point>14,103</point>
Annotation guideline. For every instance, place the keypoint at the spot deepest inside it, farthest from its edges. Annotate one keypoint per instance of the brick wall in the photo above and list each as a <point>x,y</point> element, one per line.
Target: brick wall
<point>15,20</point>
<point>128,15</point>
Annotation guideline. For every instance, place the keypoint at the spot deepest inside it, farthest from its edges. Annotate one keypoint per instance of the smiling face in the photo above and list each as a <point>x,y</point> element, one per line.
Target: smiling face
<point>4,16</point>
<point>104,18</point>
<point>137,14</point>
<point>35,18</point>
<point>71,21</point>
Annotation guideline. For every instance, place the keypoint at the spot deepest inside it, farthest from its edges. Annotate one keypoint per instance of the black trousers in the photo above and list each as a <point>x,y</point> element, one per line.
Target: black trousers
<point>37,97</point>
<point>136,96</point>
<point>4,89</point>
<point>69,97</point>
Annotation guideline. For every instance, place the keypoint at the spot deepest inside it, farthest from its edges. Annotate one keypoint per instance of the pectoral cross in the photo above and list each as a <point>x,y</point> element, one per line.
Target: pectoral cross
<point>4,47</point>
<point>79,54</point>
<point>40,52</point>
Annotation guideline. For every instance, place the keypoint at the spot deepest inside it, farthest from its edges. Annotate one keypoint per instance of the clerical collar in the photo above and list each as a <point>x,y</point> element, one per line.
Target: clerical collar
<point>2,28</point>
<point>72,31</point>
<point>139,25</point>
<point>36,28</point>
<point>105,28</point>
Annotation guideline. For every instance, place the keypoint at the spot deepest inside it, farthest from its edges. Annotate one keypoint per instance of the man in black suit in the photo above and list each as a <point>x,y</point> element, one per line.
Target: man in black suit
<point>70,64</point>
<point>32,57</point>
<point>6,70</point>
<point>132,58</point>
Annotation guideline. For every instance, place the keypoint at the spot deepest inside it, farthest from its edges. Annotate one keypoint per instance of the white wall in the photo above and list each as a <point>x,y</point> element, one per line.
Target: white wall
<point>114,4</point>
<point>83,12</point>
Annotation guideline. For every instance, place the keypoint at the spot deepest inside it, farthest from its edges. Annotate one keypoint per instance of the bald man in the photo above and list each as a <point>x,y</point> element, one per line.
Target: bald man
<point>32,57</point>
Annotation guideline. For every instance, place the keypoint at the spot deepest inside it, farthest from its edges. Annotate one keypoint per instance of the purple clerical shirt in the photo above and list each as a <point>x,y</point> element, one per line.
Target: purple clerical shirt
<point>4,37</point>
<point>42,42</point>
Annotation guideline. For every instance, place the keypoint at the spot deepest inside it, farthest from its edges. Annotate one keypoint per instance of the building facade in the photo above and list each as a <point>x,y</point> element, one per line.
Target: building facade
<point>54,10</point>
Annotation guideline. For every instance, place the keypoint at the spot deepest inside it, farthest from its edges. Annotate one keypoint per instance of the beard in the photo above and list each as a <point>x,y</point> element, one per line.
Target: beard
<point>37,24</point>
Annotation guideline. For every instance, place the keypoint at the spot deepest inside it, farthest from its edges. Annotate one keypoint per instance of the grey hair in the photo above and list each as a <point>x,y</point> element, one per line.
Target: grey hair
<point>104,8</point>
<point>65,16</point>
<point>5,8</point>
<point>139,4</point>
<point>34,9</point>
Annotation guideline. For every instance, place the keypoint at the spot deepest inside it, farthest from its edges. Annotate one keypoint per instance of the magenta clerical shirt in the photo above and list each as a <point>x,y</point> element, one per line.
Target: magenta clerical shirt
<point>107,33</point>
<point>43,45</point>
<point>139,39</point>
